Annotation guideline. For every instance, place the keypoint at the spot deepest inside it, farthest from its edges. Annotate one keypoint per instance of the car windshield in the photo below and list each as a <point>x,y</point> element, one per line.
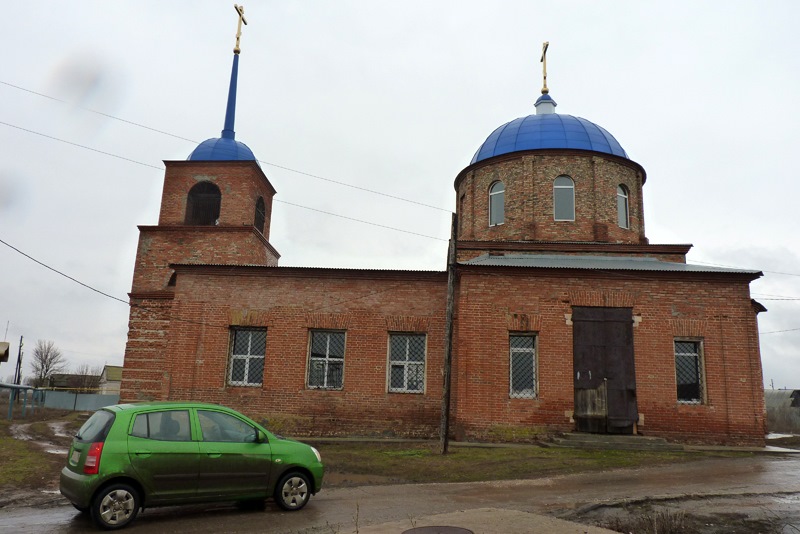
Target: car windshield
<point>96,427</point>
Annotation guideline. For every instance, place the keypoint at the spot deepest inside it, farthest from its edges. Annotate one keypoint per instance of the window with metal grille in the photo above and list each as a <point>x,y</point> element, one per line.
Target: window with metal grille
<point>326,360</point>
<point>523,366</point>
<point>497,201</point>
<point>564,199</point>
<point>623,218</point>
<point>202,204</point>
<point>248,346</point>
<point>689,371</point>
<point>407,363</point>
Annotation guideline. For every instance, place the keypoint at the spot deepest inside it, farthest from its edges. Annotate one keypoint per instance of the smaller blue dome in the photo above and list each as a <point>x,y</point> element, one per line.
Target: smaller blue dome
<point>548,130</point>
<point>221,149</point>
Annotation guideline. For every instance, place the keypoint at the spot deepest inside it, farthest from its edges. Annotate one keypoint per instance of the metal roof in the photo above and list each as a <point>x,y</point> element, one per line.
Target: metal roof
<point>221,149</point>
<point>618,263</point>
<point>553,130</point>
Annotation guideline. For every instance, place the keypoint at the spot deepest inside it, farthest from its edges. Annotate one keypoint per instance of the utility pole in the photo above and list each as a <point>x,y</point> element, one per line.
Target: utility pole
<point>444,427</point>
<point>18,371</point>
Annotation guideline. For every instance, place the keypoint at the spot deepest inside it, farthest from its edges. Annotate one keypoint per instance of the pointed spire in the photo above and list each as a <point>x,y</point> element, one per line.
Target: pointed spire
<point>230,110</point>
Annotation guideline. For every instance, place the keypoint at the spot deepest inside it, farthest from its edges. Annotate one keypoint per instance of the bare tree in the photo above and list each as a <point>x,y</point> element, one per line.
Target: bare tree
<point>47,361</point>
<point>88,378</point>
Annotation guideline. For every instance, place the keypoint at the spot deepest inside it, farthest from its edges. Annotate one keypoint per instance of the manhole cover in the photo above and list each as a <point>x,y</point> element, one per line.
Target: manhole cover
<point>438,530</point>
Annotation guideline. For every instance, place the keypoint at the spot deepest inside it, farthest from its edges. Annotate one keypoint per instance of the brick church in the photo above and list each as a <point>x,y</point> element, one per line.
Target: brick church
<point>563,318</point>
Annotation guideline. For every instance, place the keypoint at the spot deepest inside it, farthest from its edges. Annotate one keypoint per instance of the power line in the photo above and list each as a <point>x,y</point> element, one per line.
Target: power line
<point>360,220</point>
<point>62,274</point>
<point>162,169</point>
<point>80,146</point>
<point>276,165</point>
<point>734,267</point>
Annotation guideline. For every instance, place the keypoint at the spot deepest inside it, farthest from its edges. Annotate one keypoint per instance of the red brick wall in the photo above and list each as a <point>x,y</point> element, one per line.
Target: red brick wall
<point>159,246</point>
<point>716,310</point>
<point>143,373</point>
<point>528,181</point>
<point>289,305</point>
<point>240,184</point>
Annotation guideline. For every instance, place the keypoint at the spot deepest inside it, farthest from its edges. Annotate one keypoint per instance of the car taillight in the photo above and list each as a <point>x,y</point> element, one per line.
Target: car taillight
<point>92,463</point>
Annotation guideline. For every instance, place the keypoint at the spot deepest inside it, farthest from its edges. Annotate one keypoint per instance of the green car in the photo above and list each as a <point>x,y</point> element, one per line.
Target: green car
<point>131,456</point>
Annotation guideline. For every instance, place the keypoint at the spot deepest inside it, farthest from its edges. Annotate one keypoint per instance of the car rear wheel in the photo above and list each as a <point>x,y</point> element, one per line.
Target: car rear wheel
<point>115,506</point>
<point>292,491</point>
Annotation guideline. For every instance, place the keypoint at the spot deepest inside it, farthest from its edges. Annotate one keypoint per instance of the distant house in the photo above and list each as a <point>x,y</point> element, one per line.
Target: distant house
<point>110,380</point>
<point>70,382</point>
<point>783,410</point>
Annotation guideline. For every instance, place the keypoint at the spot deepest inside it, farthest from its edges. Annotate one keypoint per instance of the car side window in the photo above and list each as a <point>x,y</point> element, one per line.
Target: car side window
<point>167,425</point>
<point>218,426</point>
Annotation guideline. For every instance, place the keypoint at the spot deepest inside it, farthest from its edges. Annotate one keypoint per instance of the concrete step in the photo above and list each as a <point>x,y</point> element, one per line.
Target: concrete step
<point>578,440</point>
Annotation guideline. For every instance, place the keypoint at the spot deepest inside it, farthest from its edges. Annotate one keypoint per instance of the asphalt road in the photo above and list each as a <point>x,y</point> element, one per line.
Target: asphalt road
<point>773,481</point>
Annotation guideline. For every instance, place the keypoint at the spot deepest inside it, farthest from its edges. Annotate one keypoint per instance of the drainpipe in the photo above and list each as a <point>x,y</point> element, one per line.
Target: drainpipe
<point>444,427</point>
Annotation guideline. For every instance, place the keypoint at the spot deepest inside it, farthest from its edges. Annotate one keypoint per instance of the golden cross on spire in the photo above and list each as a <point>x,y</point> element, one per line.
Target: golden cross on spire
<point>545,90</point>
<point>240,11</point>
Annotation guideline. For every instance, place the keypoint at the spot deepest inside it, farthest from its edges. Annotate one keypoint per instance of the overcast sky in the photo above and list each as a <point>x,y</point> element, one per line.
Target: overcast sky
<point>391,97</point>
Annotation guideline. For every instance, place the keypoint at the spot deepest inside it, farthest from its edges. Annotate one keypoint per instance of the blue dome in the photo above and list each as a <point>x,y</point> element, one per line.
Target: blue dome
<point>549,130</point>
<point>221,149</point>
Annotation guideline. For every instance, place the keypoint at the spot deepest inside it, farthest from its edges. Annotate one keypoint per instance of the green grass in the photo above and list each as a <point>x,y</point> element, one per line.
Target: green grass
<point>20,462</point>
<point>25,464</point>
<point>422,463</point>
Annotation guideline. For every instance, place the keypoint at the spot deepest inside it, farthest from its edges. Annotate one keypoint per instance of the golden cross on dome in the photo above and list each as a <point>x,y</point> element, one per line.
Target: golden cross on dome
<point>545,90</point>
<point>240,11</point>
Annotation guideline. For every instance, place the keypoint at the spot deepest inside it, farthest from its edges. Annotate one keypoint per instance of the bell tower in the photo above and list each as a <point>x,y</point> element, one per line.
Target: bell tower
<point>216,208</point>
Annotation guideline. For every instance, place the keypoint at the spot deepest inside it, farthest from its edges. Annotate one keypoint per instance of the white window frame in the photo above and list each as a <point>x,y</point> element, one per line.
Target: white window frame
<point>326,360</point>
<point>406,364</point>
<point>495,192</point>
<point>247,357</point>
<point>623,207</point>
<point>563,187</point>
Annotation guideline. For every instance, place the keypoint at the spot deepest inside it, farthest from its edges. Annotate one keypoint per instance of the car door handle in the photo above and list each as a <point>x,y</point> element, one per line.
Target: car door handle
<point>143,454</point>
<point>213,454</point>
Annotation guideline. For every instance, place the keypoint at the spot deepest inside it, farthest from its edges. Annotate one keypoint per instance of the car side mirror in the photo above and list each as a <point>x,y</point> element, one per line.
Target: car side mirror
<point>260,437</point>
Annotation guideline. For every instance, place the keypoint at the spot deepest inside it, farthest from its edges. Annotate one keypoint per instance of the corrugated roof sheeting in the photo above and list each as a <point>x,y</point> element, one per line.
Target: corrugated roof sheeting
<point>621,263</point>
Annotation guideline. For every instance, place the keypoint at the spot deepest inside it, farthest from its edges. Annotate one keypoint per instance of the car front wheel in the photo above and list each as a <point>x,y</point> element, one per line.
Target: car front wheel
<point>115,506</point>
<point>292,491</point>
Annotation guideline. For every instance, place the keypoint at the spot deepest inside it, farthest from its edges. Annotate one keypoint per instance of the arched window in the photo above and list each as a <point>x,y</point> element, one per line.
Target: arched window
<point>623,215</point>
<point>261,215</point>
<point>497,201</point>
<point>564,199</point>
<point>202,204</point>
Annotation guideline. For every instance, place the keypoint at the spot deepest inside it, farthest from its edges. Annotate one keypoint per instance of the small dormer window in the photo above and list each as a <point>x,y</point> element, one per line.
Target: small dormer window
<point>623,214</point>
<point>261,215</point>
<point>564,199</point>
<point>497,200</point>
<point>202,205</point>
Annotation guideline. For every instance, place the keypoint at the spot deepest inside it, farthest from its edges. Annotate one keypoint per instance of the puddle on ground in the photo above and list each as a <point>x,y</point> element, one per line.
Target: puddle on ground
<point>22,432</point>
<point>59,429</point>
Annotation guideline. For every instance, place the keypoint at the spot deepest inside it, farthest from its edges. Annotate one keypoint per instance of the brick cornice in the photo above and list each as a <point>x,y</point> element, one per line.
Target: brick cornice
<point>205,165</point>
<point>309,272</point>
<point>569,247</point>
<point>549,152</point>
<point>152,295</point>
<point>605,274</point>
<point>207,229</point>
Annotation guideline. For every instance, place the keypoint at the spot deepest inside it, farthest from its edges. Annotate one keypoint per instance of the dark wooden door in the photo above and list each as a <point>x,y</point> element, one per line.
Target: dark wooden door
<point>604,373</point>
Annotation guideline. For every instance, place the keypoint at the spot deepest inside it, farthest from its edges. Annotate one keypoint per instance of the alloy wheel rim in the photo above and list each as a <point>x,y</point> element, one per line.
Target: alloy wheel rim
<point>295,492</point>
<point>116,507</point>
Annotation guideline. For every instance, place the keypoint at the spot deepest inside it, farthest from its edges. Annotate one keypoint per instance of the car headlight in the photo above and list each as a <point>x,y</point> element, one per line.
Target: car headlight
<point>316,453</point>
